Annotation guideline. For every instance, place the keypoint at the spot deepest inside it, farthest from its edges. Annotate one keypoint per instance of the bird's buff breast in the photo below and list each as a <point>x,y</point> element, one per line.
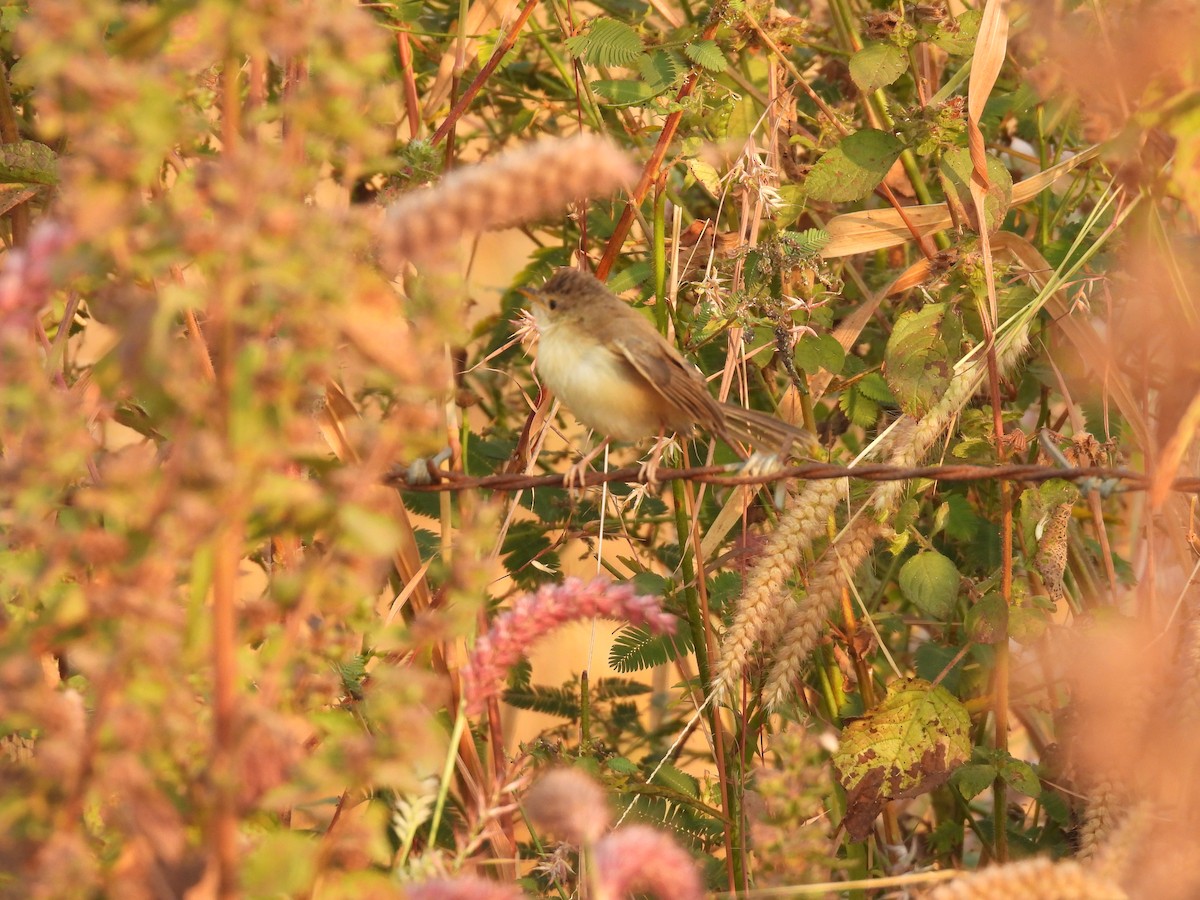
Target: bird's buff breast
<point>599,388</point>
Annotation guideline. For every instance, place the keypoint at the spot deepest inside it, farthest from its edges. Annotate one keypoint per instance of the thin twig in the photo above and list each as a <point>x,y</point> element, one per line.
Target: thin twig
<point>722,475</point>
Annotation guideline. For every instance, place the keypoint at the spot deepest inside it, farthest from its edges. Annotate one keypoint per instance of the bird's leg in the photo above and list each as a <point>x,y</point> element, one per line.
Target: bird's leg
<point>648,471</point>
<point>577,473</point>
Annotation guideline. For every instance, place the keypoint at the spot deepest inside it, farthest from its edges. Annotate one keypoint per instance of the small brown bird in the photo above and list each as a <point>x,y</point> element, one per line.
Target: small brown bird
<point>622,378</point>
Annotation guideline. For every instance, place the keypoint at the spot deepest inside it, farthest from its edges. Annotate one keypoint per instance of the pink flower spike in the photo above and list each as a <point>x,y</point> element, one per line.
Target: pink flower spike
<point>643,859</point>
<point>534,615</point>
<point>464,888</point>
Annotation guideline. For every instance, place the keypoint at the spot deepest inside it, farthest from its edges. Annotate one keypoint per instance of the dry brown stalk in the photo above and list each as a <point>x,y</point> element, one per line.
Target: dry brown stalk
<point>518,186</point>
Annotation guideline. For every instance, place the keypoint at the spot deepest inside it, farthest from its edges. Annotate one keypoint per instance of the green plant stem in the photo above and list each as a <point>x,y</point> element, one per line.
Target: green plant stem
<point>585,709</point>
<point>456,733</point>
<point>698,622</point>
<point>660,254</point>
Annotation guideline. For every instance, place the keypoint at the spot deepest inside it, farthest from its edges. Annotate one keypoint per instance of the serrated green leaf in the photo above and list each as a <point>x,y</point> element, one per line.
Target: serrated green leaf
<point>621,765</point>
<point>876,66</point>
<point>920,354</point>
<point>958,37</point>
<point>678,780</point>
<point>860,409</point>
<point>906,746</point>
<point>624,92</point>
<point>929,581</point>
<point>874,386</point>
<point>609,688</point>
<point>852,169</point>
<point>707,55</point>
<point>607,42</point>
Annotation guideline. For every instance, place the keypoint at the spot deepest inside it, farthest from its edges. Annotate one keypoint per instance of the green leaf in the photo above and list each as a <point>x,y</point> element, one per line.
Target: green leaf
<point>707,55</point>
<point>28,161</point>
<point>974,778</point>
<point>955,171</point>
<point>562,702</point>
<point>932,659</point>
<point>808,242</point>
<point>820,351</point>
<point>852,169</point>
<point>678,780</point>
<point>876,66</point>
<point>742,119</point>
<point>661,69</point>
<point>1027,624</point>
<point>874,386</point>
<point>707,175</point>
<point>987,620</point>
<point>958,37</point>
<point>621,765</point>
<point>525,542</point>
<point>906,746</point>
<point>624,93</point>
<point>1020,775</point>
<point>929,582</point>
<point>611,688</point>
<point>860,409</point>
<point>919,359</point>
<point>607,42</point>
<point>635,649</point>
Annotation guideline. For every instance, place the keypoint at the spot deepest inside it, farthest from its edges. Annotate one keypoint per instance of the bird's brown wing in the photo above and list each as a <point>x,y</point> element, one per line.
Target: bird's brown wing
<point>767,433</point>
<point>686,400</point>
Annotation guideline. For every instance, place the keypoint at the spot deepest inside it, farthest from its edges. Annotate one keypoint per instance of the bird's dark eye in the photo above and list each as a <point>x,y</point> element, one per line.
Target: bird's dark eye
<point>553,304</point>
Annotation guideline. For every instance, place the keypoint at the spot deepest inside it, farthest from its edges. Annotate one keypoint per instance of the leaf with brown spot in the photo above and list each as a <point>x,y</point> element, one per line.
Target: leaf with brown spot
<point>906,746</point>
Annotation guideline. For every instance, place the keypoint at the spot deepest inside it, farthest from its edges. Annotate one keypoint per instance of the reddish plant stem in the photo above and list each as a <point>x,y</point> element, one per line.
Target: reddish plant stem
<point>412,105</point>
<point>654,163</point>
<point>489,67</point>
<point>10,134</point>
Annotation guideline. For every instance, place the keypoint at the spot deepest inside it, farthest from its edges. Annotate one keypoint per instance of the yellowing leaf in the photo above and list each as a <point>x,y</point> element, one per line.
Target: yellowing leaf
<point>906,746</point>
<point>920,356</point>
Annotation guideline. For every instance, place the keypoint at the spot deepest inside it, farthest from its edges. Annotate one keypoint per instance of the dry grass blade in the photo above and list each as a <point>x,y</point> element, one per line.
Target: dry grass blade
<point>1079,332</point>
<point>875,229</point>
<point>878,229</point>
<point>990,49</point>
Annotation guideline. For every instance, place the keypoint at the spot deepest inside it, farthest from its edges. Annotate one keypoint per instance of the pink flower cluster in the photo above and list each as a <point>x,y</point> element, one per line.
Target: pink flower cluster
<point>25,282</point>
<point>535,615</point>
<point>640,858</point>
